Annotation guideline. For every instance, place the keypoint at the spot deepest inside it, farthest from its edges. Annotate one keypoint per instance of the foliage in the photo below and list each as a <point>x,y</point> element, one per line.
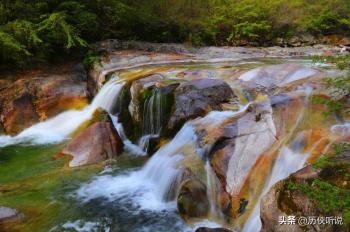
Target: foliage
<point>338,88</point>
<point>329,195</point>
<point>326,161</point>
<point>32,30</point>
<point>329,198</point>
<point>90,59</point>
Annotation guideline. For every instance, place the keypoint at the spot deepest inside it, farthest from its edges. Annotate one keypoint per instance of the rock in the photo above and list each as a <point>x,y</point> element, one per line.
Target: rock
<point>198,97</point>
<point>39,94</point>
<point>8,214</point>
<point>192,201</point>
<point>138,91</point>
<point>282,200</point>
<point>19,114</point>
<point>99,142</point>
<point>245,140</point>
<point>268,79</point>
<point>206,229</point>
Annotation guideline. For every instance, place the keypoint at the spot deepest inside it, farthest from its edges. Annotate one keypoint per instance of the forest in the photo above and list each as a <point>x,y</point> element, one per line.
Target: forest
<point>40,31</point>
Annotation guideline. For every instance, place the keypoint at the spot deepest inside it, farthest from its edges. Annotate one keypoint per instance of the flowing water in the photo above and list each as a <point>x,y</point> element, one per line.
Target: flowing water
<point>58,128</point>
<point>135,193</point>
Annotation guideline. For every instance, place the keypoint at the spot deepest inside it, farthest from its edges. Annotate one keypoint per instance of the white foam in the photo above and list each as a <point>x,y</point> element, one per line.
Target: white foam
<point>341,129</point>
<point>81,226</point>
<point>59,128</point>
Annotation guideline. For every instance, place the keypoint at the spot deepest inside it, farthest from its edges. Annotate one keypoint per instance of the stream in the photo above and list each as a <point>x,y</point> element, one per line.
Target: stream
<point>135,192</point>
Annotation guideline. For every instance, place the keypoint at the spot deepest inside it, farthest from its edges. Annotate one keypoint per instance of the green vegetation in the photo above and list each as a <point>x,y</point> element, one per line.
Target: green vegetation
<point>326,161</point>
<point>328,190</point>
<point>44,30</point>
<point>328,197</point>
<point>338,88</point>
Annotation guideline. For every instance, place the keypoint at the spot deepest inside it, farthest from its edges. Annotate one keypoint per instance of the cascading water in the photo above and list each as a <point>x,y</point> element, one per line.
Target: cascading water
<point>289,160</point>
<point>153,113</point>
<point>59,128</point>
<point>128,145</point>
<point>153,118</point>
<point>213,191</point>
<point>161,173</point>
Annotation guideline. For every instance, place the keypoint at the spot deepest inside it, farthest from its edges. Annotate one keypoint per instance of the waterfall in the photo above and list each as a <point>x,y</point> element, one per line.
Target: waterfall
<point>153,118</point>
<point>153,113</point>
<point>213,191</point>
<point>58,128</point>
<point>156,185</point>
<point>289,160</point>
<point>128,145</point>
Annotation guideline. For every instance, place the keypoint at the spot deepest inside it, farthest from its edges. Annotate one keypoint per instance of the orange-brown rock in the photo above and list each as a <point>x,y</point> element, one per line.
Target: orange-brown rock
<point>99,142</point>
<point>40,94</point>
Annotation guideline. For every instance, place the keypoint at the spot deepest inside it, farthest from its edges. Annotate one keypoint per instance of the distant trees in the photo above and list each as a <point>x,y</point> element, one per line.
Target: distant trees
<point>41,30</point>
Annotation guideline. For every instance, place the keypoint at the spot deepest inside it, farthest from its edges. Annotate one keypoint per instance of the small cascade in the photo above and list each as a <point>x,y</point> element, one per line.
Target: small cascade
<point>213,192</point>
<point>153,113</point>
<point>128,145</point>
<point>289,160</point>
<point>154,117</point>
<point>162,168</point>
<point>156,185</point>
<point>58,128</point>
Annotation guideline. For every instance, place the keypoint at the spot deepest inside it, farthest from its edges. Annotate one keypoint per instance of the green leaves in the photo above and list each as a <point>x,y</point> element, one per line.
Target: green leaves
<point>10,47</point>
<point>56,28</point>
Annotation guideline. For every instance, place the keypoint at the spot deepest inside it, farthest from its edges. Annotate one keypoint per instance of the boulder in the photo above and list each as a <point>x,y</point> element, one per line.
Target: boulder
<point>192,201</point>
<point>99,142</point>
<point>9,214</point>
<point>206,229</point>
<point>244,141</point>
<point>36,95</point>
<point>198,97</point>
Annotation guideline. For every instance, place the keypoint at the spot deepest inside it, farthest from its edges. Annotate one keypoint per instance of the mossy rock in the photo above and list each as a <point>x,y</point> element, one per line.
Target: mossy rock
<point>100,115</point>
<point>192,201</point>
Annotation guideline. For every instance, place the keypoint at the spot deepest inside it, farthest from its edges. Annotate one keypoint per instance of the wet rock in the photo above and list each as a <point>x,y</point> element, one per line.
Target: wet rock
<point>245,140</point>
<point>19,114</point>
<point>198,97</point>
<point>39,94</point>
<point>268,79</point>
<point>99,142</point>
<point>192,201</point>
<point>9,214</point>
<point>206,229</point>
<point>284,200</point>
<point>139,91</point>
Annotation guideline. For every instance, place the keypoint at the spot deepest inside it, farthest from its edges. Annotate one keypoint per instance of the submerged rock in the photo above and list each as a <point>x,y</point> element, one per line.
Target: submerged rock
<point>192,201</point>
<point>99,142</point>
<point>198,97</point>
<point>9,214</point>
